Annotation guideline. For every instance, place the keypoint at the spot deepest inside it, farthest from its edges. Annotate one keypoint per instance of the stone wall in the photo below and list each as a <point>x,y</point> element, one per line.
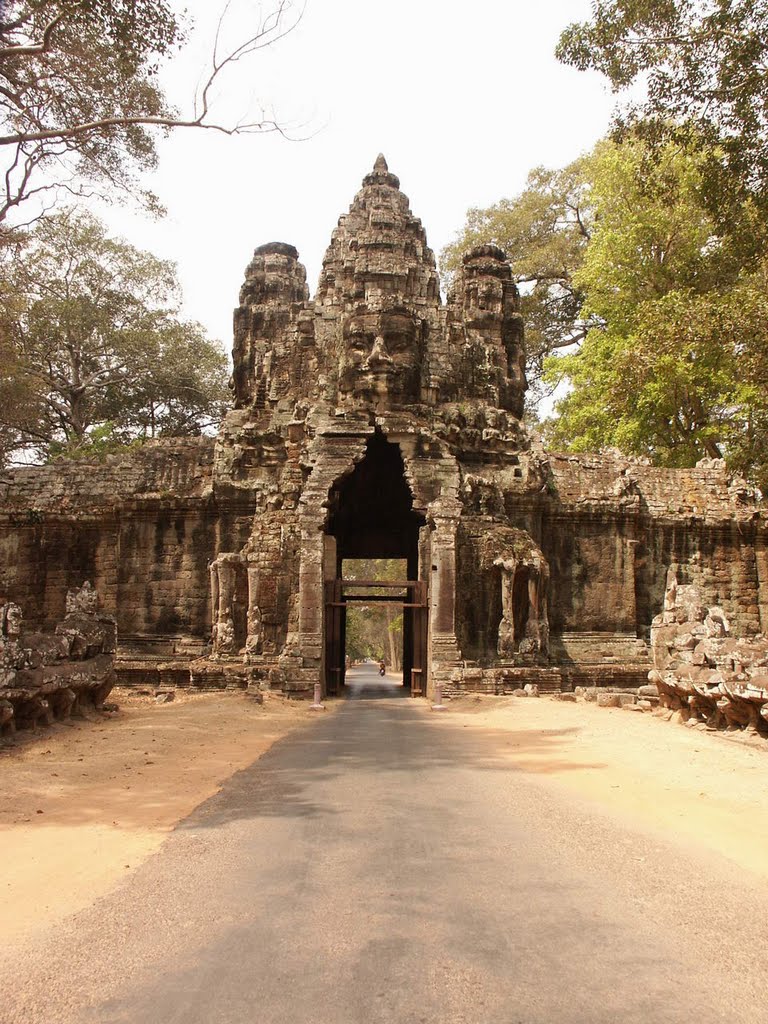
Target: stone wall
<point>376,421</point>
<point>143,526</point>
<point>703,521</point>
<point>146,526</point>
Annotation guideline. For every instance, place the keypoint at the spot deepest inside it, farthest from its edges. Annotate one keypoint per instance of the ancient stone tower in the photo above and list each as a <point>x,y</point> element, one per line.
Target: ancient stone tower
<point>361,420</point>
<point>376,420</point>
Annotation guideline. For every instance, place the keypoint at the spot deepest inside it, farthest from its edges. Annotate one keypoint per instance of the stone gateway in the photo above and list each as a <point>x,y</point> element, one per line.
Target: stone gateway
<point>376,420</point>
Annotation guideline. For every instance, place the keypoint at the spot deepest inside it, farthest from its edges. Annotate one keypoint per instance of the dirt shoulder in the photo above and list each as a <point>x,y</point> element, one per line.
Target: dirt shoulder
<point>700,787</point>
<point>85,802</point>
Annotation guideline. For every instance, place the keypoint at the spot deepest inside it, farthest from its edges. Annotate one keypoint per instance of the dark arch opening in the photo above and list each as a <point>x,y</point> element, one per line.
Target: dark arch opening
<point>371,511</point>
<point>371,516</point>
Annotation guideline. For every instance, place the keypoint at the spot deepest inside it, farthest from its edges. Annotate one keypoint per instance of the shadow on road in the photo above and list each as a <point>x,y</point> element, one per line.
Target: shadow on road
<point>400,741</point>
<point>364,683</point>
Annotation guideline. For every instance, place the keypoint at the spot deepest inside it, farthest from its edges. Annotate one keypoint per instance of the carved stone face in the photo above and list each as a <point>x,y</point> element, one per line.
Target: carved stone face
<point>382,355</point>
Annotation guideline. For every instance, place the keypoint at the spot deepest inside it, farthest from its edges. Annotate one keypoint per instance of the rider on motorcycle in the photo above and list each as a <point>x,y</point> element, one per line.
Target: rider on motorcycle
<point>382,667</point>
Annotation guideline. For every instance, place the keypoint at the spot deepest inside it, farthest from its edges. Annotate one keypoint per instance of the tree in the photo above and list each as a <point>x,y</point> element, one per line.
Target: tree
<point>675,363</point>
<point>358,645</point>
<point>703,65</point>
<point>80,104</point>
<point>544,231</point>
<point>97,355</point>
<point>375,630</point>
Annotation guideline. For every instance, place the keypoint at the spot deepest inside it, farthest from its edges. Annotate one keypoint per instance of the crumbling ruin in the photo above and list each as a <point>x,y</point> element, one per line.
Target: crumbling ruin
<point>377,420</point>
<point>46,677</point>
<point>702,673</point>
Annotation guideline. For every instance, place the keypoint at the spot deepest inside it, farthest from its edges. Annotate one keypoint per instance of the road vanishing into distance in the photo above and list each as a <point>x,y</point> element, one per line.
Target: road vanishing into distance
<point>386,864</point>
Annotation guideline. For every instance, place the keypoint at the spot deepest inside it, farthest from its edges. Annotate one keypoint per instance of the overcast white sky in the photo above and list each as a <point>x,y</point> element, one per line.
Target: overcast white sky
<point>463,100</point>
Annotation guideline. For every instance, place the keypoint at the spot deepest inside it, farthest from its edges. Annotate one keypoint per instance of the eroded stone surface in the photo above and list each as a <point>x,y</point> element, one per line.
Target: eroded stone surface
<point>375,420</point>
<point>45,677</point>
<point>702,672</point>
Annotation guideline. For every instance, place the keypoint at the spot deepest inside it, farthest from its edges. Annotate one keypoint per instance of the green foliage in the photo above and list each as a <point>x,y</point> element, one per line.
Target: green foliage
<point>375,630</point>
<point>651,252</point>
<point>674,365</point>
<point>544,231</point>
<point>97,443</point>
<point>703,65</point>
<point>96,354</point>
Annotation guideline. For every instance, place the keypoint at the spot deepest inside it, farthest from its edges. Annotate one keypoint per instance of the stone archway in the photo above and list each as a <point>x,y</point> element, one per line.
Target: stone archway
<point>370,510</point>
<point>371,515</point>
<point>430,475</point>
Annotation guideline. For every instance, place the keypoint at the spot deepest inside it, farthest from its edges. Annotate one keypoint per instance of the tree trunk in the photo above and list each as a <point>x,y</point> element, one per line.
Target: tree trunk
<point>394,648</point>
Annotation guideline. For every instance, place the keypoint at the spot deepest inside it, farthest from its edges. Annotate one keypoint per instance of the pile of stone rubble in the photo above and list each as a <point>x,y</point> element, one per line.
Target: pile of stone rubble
<point>700,674</point>
<point>46,677</point>
<point>636,698</point>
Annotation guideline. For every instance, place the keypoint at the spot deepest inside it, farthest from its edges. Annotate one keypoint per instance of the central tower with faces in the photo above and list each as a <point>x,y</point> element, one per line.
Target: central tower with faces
<point>374,376</point>
<point>376,335</point>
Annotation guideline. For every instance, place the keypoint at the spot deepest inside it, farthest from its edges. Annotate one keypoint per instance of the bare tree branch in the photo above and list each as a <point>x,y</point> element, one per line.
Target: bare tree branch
<point>43,46</point>
<point>69,95</point>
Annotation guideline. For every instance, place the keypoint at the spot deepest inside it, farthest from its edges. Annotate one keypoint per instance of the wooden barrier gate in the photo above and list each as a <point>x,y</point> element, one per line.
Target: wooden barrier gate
<point>415,607</point>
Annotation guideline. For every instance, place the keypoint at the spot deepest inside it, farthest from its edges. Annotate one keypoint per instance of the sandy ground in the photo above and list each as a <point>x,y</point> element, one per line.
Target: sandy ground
<point>704,789</point>
<point>84,803</point>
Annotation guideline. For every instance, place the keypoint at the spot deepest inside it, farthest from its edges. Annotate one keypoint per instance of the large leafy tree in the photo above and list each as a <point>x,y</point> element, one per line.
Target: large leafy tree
<point>375,630</point>
<point>544,230</point>
<point>80,103</point>
<point>96,352</point>
<point>696,70</point>
<point>674,365</point>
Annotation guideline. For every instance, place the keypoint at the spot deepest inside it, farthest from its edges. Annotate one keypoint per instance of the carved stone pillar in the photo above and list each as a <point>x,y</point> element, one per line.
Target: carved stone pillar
<point>506,641</point>
<point>223,573</point>
<point>424,573</point>
<point>330,572</point>
<point>330,557</point>
<point>629,597</point>
<point>425,554</point>
<point>255,630</point>
<point>445,646</point>
<point>311,594</point>
<point>537,627</point>
<point>213,572</point>
<point>761,567</point>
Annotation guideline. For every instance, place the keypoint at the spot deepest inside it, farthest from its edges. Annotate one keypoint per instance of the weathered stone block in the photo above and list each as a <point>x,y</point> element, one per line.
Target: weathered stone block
<point>608,700</point>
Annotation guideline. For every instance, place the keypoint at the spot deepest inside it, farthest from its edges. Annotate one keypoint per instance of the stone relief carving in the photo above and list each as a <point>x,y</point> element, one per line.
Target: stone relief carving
<point>382,355</point>
<point>223,572</point>
<point>49,676</point>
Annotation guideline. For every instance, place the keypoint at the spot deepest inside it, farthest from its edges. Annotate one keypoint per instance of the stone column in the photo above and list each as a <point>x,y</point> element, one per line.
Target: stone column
<point>628,597</point>
<point>425,575</point>
<point>536,629</point>
<point>213,571</point>
<point>223,592</point>
<point>329,573</point>
<point>311,594</point>
<point>506,641</point>
<point>425,554</point>
<point>445,646</point>
<point>761,565</point>
<point>330,556</point>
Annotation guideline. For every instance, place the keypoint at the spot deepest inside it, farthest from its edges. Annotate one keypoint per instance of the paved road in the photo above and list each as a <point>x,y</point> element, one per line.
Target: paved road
<point>386,865</point>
